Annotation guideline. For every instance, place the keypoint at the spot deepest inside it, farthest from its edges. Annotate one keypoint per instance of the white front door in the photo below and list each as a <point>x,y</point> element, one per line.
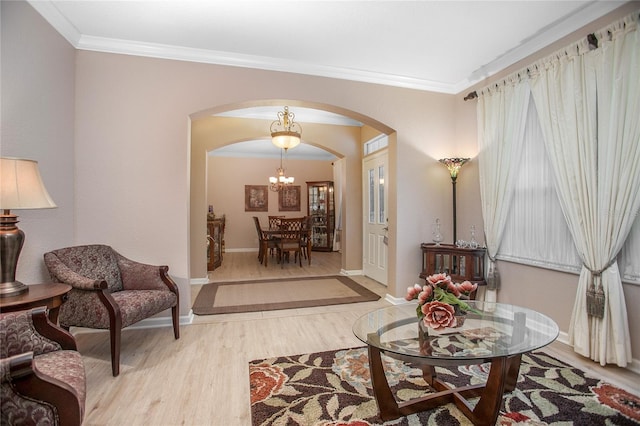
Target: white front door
<point>375,189</point>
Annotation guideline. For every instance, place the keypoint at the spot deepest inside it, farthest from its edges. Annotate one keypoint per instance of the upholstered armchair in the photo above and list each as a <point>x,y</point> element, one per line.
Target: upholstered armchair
<point>43,378</point>
<point>110,291</point>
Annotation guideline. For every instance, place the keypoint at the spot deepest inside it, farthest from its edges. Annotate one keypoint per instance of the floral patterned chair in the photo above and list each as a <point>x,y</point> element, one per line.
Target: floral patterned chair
<point>110,291</point>
<point>43,378</point>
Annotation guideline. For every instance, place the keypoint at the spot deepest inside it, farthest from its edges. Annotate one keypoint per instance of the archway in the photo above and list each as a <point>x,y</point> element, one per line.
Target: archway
<point>209,131</point>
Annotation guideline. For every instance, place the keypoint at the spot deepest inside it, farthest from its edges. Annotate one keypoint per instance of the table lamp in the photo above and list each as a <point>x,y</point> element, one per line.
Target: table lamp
<point>20,188</point>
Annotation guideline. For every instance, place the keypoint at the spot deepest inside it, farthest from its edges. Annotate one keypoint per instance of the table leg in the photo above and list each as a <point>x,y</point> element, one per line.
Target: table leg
<point>384,397</point>
<point>53,314</point>
<point>487,409</point>
<point>485,412</point>
<point>513,369</point>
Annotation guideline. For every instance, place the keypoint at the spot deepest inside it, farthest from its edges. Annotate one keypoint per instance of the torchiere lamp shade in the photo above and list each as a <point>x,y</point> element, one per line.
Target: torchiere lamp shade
<point>21,187</point>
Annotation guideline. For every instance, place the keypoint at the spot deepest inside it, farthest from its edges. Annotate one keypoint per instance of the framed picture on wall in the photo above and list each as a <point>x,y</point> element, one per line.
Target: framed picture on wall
<point>256,198</point>
<point>289,199</point>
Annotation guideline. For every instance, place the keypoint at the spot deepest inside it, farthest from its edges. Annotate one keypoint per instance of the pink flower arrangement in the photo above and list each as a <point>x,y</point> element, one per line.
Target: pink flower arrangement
<point>440,300</point>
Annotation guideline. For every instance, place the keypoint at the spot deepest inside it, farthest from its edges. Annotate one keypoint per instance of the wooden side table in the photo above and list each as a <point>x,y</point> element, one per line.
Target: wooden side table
<point>51,295</point>
<point>462,264</point>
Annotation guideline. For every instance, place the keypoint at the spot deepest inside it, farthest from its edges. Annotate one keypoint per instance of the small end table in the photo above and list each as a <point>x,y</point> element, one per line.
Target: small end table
<point>51,295</point>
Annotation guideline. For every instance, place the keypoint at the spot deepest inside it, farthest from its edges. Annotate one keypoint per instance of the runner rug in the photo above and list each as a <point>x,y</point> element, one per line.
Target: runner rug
<point>274,294</point>
<point>334,388</point>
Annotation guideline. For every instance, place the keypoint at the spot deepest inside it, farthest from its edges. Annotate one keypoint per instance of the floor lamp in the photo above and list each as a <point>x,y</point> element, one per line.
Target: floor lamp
<point>454,165</point>
<point>20,188</point>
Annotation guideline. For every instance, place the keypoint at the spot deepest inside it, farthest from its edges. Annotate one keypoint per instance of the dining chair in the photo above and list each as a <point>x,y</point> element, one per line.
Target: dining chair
<point>274,222</point>
<point>305,240</point>
<point>289,240</point>
<point>266,243</point>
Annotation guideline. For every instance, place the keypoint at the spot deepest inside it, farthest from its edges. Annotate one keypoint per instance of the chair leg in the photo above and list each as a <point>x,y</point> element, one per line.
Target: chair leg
<point>176,321</point>
<point>116,333</point>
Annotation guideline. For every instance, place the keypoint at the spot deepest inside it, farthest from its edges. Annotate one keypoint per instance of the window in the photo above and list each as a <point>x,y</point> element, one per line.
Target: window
<point>536,232</point>
<point>376,144</point>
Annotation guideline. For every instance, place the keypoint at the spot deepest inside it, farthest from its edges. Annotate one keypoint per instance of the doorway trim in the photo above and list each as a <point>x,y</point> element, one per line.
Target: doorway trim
<point>252,129</point>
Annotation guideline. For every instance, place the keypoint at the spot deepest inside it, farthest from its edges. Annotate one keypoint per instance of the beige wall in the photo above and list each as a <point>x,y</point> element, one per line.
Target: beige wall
<point>226,179</point>
<point>120,167</point>
<point>38,107</point>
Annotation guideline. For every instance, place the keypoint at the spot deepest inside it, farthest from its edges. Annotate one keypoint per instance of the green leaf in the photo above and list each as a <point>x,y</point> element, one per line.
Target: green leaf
<point>332,406</point>
<point>275,402</point>
<point>301,375</point>
<point>335,382</point>
<point>546,407</point>
<point>573,378</point>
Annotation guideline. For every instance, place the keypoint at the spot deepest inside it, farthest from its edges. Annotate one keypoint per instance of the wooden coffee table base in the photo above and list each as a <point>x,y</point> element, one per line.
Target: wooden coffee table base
<point>502,377</point>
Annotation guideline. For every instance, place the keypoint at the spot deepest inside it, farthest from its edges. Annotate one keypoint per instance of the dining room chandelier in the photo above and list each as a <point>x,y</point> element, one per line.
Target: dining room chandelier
<point>281,180</point>
<point>285,133</point>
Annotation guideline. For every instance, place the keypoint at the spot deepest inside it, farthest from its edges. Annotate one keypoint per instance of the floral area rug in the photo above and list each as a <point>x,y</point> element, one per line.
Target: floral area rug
<point>334,389</point>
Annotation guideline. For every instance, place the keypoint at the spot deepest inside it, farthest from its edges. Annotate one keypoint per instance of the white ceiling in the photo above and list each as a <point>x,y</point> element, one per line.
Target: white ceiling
<point>442,46</point>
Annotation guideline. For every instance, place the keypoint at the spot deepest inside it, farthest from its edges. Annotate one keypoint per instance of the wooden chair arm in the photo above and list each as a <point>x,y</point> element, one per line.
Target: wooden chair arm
<point>164,275</point>
<point>29,382</point>
<point>47,329</point>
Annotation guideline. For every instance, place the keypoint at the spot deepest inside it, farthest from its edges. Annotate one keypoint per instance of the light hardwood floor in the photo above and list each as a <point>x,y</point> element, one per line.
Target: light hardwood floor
<point>202,378</point>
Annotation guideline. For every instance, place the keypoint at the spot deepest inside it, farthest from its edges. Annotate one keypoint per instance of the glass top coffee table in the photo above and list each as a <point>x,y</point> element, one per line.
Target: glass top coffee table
<point>498,333</point>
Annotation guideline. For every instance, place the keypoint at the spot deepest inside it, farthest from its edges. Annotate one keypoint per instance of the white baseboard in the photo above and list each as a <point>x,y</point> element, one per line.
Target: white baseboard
<point>633,366</point>
<point>395,300</point>
<point>351,272</point>
<point>145,323</point>
<point>198,281</point>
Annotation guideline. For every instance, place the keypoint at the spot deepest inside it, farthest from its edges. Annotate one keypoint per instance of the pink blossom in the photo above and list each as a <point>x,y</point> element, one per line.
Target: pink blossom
<point>438,315</point>
<point>453,289</point>
<point>425,295</point>
<point>412,292</point>
<point>435,279</point>
<point>466,287</point>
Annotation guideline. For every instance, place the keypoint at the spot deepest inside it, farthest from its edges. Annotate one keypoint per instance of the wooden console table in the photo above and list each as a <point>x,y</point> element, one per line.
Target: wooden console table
<point>462,264</point>
<point>51,295</point>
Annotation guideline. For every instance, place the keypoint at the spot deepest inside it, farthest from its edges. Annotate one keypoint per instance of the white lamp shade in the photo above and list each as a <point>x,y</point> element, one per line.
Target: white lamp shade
<point>21,186</point>
<point>285,139</point>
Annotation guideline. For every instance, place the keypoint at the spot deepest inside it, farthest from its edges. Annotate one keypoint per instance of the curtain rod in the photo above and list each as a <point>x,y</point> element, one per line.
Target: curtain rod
<point>471,95</point>
<point>592,42</point>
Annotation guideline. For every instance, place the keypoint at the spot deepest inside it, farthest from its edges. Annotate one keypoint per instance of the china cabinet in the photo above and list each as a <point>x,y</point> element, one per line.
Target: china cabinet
<point>321,209</point>
<point>215,242</point>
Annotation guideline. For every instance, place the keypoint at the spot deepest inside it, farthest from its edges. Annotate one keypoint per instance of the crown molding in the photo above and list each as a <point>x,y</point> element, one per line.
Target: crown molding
<point>57,20</point>
<point>163,51</point>
<point>552,33</point>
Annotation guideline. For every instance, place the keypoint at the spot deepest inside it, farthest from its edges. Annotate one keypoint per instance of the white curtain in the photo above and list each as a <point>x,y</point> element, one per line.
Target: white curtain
<point>502,112</point>
<point>589,104</point>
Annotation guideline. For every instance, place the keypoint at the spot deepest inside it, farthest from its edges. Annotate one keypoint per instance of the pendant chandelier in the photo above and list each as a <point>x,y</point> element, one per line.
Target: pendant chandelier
<point>285,133</point>
<point>280,181</point>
